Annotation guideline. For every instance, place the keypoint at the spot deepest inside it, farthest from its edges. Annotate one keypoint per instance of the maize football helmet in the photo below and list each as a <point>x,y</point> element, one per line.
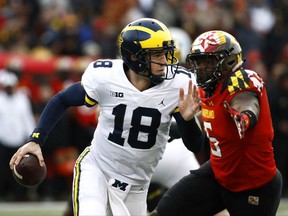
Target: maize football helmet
<point>143,37</point>
<point>214,55</point>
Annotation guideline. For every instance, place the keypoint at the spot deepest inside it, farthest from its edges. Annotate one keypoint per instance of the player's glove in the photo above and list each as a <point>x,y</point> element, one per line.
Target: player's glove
<point>243,120</point>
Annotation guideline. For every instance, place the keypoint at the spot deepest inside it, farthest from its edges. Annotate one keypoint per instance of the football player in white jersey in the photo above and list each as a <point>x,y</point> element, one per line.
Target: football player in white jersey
<point>137,95</point>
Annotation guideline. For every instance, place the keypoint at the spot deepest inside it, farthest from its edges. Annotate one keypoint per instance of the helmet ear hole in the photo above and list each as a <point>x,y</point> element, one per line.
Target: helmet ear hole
<point>229,63</point>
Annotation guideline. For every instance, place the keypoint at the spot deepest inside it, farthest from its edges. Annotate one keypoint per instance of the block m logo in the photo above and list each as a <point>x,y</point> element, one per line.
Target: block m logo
<point>121,185</point>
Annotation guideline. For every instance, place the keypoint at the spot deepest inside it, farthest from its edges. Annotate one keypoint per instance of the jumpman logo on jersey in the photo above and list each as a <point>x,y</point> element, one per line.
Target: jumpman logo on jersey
<point>162,103</point>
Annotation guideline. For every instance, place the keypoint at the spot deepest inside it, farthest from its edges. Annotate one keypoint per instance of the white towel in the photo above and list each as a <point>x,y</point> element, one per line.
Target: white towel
<point>117,192</point>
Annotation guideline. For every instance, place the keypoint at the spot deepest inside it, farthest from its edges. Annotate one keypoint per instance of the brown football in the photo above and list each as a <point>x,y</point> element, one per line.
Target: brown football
<point>28,172</point>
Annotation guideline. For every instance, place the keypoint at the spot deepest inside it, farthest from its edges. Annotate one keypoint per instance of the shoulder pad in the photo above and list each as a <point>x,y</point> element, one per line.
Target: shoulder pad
<point>183,70</point>
<point>237,81</point>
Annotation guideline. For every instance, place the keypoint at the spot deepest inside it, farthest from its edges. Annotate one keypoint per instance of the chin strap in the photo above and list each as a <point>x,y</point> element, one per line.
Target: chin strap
<point>156,79</point>
<point>237,65</point>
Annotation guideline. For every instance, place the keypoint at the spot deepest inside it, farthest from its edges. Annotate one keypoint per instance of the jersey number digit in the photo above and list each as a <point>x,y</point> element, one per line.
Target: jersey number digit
<point>99,63</point>
<point>217,150</point>
<point>148,131</point>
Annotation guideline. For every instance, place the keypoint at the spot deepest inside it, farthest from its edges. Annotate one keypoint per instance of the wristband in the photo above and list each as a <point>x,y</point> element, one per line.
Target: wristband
<point>38,136</point>
<point>252,119</point>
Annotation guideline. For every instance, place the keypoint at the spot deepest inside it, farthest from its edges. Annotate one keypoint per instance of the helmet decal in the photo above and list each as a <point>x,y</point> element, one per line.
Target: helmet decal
<point>142,35</point>
<point>213,41</point>
<point>135,36</point>
<point>206,41</point>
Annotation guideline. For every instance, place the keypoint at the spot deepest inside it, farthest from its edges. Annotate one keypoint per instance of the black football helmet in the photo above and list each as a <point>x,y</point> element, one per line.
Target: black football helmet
<point>221,54</point>
<point>143,37</point>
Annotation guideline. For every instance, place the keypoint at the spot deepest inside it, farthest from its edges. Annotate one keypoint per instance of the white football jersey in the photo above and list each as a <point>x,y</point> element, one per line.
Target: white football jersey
<point>133,126</point>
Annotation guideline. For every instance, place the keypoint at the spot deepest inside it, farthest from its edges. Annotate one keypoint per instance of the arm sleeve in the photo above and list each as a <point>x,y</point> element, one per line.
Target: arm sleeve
<point>174,132</point>
<point>191,134</point>
<point>55,109</point>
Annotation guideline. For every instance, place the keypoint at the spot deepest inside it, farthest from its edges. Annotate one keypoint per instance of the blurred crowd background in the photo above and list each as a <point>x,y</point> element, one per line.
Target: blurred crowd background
<point>48,43</point>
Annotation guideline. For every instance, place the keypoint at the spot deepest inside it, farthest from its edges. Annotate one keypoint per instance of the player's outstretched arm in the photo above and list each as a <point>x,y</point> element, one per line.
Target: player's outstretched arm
<point>53,112</point>
<point>244,110</point>
<point>191,133</point>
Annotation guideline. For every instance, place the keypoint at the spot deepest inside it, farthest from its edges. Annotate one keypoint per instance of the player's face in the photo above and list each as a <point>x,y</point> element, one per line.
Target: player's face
<point>204,67</point>
<point>158,63</point>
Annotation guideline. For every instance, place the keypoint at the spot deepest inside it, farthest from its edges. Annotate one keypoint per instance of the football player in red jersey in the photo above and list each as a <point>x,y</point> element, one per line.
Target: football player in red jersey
<point>241,174</point>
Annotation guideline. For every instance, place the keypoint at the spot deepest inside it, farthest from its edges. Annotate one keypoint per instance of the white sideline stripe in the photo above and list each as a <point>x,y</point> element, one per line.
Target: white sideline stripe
<point>32,206</point>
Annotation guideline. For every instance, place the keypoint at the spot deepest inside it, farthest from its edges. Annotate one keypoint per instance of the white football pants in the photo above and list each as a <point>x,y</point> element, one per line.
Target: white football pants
<point>95,194</point>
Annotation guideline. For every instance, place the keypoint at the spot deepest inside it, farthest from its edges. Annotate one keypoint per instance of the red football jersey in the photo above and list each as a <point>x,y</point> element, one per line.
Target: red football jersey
<point>239,164</point>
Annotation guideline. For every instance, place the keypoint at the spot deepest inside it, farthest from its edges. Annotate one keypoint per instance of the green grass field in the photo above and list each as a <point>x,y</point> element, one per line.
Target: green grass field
<point>57,208</point>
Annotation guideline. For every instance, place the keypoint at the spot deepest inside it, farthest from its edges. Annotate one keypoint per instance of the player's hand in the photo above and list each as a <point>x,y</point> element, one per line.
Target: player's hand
<point>241,120</point>
<point>30,147</point>
<point>190,105</point>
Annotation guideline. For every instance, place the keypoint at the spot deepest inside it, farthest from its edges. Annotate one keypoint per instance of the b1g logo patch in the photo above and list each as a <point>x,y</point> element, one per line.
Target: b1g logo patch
<point>117,94</point>
<point>253,200</point>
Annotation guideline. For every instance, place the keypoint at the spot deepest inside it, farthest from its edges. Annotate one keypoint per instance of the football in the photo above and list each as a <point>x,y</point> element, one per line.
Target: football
<point>28,172</point>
